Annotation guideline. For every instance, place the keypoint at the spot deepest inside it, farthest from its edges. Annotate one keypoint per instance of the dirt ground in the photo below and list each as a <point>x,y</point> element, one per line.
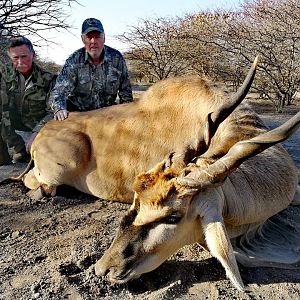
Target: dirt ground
<point>49,247</point>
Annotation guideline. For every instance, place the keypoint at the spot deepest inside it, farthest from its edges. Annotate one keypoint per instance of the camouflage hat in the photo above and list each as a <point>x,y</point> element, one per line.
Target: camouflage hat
<point>91,24</point>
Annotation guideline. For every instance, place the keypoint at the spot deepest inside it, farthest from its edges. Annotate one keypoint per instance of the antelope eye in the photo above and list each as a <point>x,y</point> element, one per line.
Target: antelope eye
<point>172,219</point>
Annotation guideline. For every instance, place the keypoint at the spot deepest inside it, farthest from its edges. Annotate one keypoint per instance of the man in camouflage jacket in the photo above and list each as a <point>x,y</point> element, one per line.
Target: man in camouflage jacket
<point>24,97</point>
<point>92,76</point>
<point>4,122</point>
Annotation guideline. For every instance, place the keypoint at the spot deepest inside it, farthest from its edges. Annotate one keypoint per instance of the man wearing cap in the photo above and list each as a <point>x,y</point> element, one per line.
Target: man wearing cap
<point>24,93</point>
<point>92,76</point>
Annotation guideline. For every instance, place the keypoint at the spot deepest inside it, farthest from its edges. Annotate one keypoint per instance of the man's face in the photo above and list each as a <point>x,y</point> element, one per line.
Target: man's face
<point>22,59</point>
<point>94,43</point>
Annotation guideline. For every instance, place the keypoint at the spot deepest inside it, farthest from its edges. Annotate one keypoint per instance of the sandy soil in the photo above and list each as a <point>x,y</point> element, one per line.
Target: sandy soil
<point>49,247</point>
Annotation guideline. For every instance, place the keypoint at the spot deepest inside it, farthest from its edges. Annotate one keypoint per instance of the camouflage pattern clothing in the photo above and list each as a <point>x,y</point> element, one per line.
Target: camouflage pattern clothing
<point>4,122</point>
<point>28,98</point>
<point>83,86</point>
<point>23,103</point>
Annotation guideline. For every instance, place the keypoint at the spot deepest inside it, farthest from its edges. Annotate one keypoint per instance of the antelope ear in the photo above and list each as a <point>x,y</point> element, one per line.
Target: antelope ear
<point>158,168</point>
<point>208,205</point>
<point>144,181</point>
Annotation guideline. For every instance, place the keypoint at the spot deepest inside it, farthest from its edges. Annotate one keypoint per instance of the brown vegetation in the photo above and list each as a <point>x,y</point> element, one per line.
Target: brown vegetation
<point>219,44</point>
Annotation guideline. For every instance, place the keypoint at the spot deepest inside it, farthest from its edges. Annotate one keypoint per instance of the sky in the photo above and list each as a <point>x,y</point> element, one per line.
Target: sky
<point>117,16</point>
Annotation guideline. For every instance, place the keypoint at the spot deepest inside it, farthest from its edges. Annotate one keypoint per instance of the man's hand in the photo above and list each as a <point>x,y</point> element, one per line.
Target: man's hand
<point>61,115</point>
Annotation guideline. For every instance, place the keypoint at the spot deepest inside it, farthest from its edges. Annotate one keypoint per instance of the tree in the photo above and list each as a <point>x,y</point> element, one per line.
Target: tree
<point>271,29</point>
<point>155,48</point>
<point>32,17</point>
<point>205,52</point>
<point>49,65</point>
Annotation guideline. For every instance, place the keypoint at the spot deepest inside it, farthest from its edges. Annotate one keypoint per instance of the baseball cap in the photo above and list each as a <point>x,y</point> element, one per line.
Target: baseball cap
<point>91,24</point>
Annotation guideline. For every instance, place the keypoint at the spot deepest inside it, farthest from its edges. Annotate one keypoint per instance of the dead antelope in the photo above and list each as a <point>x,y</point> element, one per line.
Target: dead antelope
<point>209,202</point>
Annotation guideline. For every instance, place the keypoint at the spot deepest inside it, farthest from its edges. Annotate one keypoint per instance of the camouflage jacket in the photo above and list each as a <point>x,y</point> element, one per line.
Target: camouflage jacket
<point>4,107</point>
<point>28,98</point>
<point>83,86</point>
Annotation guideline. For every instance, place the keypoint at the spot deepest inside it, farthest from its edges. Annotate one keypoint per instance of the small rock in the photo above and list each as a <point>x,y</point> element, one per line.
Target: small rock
<point>36,295</point>
<point>35,287</point>
<point>15,234</point>
<point>35,194</point>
